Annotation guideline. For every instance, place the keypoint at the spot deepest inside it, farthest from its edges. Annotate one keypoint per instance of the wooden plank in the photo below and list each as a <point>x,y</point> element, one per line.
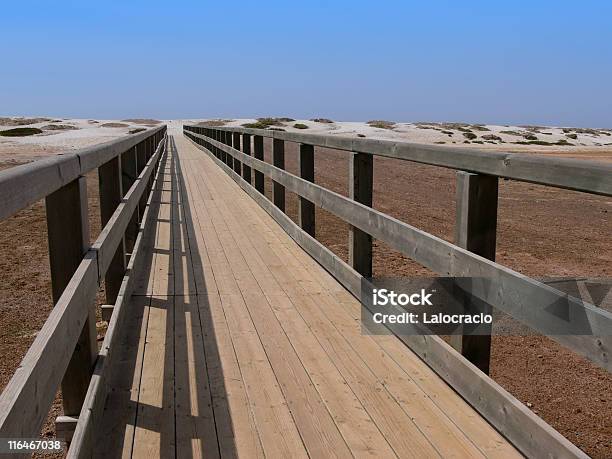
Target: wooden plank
<point>43,367</point>
<point>92,418</point>
<point>68,235</point>
<point>314,423</point>
<point>306,209</point>
<point>246,149</point>
<point>446,258</point>
<point>22,186</point>
<point>278,159</point>
<point>109,179</point>
<point>258,153</point>
<point>195,421</point>
<point>476,230</point>
<point>516,422</point>
<point>361,184</point>
<point>573,174</point>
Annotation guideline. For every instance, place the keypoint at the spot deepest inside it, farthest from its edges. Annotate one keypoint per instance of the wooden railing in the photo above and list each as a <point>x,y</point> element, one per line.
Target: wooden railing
<point>65,351</point>
<point>241,153</point>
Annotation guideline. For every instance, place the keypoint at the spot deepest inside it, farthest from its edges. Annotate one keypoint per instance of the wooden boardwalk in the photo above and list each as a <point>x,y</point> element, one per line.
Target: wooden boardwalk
<point>238,343</point>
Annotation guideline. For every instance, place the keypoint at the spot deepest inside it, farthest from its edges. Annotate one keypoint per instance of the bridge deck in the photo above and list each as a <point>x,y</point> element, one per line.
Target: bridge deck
<point>238,343</point>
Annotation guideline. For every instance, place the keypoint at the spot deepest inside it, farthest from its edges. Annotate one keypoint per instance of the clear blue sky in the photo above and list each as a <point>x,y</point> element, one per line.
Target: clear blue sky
<point>545,62</point>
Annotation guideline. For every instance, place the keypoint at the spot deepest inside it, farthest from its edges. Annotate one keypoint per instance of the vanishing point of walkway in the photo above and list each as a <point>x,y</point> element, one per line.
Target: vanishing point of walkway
<point>238,343</point>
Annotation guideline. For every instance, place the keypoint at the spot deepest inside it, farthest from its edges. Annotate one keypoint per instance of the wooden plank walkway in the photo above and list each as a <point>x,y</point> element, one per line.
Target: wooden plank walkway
<point>237,343</point>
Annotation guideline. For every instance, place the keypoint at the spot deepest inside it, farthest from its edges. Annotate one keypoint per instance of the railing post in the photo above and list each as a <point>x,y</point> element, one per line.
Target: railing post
<point>306,209</point>
<point>278,160</point>
<point>227,140</point>
<point>258,153</point>
<point>68,234</point>
<point>129,173</point>
<point>361,180</point>
<point>236,145</point>
<point>111,192</point>
<point>475,230</point>
<point>246,149</point>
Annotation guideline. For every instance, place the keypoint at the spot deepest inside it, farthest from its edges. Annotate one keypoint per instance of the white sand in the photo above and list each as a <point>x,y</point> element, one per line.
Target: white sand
<point>596,143</point>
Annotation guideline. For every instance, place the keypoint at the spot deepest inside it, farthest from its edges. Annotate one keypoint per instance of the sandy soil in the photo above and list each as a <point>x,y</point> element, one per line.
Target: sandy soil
<point>542,232</point>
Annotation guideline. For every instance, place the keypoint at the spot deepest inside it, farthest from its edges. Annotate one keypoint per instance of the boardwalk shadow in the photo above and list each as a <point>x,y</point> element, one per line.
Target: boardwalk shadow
<point>182,409</point>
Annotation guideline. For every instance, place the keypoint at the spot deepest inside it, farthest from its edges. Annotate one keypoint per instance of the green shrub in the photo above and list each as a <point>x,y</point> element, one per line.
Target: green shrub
<point>255,125</point>
<point>572,136</point>
<point>300,126</point>
<point>492,137</point>
<point>322,120</point>
<point>469,135</point>
<point>20,132</point>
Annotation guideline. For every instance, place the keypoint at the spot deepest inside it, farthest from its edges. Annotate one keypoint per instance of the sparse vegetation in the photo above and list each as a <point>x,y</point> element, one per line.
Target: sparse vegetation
<point>478,141</point>
<point>322,120</point>
<point>20,132</point>
<point>136,130</point>
<point>381,124</point>
<point>510,132</point>
<point>213,123</point>
<point>59,127</point>
<point>141,121</point>
<point>300,126</point>
<point>492,137</point>
<point>448,133</point>
<point>114,125</point>
<point>572,136</point>
<point>21,121</point>
<point>275,129</point>
<point>440,142</point>
<point>479,127</point>
<point>528,136</point>
<point>360,135</point>
<point>265,123</point>
<point>469,135</point>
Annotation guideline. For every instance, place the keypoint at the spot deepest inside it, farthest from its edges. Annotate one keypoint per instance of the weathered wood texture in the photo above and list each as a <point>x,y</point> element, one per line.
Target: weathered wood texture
<point>306,209</point>
<point>23,185</point>
<point>590,176</point>
<point>361,182</point>
<point>476,231</point>
<point>27,397</point>
<point>68,234</point>
<point>448,259</point>
<point>515,421</point>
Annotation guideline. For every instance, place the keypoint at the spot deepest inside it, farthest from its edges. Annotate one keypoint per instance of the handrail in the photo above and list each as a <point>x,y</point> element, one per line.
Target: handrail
<point>524,429</point>
<point>23,185</point>
<point>26,400</point>
<point>450,259</point>
<point>572,174</point>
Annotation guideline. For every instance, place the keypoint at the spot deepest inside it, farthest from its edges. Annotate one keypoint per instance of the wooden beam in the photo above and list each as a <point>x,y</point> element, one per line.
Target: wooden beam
<point>306,209</point>
<point>573,174</point>
<point>529,433</point>
<point>475,230</point>
<point>22,186</point>
<point>129,173</point>
<point>361,181</point>
<point>111,192</point>
<point>258,153</point>
<point>278,159</point>
<point>236,145</point>
<point>591,323</point>
<point>68,234</point>
<point>246,149</point>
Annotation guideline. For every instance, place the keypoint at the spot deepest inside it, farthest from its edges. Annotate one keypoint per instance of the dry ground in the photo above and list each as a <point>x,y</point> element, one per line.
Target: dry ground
<point>542,232</point>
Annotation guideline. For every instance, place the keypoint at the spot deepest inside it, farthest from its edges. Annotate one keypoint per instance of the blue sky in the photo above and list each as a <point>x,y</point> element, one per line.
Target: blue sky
<point>540,62</point>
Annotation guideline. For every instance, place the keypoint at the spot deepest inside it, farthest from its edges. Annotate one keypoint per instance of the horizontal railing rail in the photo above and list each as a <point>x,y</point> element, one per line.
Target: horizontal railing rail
<point>65,350</point>
<point>241,153</point>
<point>573,174</point>
<point>23,185</point>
